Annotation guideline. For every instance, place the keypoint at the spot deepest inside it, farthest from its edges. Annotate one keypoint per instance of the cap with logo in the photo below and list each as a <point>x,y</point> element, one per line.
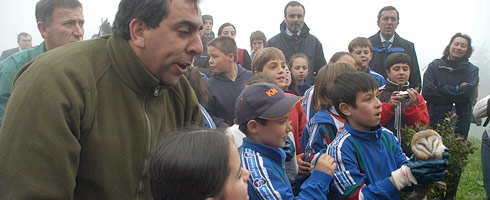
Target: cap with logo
<point>263,100</point>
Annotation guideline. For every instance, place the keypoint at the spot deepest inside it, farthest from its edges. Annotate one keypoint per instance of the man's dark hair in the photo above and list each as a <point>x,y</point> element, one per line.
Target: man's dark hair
<point>386,8</point>
<point>45,9</point>
<point>225,25</point>
<point>293,3</point>
<point>397,57</point>
<point>345,87</point>
<point>470,48</point>
<point>207,17</point>
<point>190,165</point>
<point>23,34</point>
<point>150,12</point>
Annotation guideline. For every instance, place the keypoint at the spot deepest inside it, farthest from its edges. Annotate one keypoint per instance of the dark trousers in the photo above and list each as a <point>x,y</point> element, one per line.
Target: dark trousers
<point>485,162</point>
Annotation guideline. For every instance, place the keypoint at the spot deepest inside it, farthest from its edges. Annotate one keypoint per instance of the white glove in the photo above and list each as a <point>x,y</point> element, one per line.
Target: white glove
<point>403,177</point>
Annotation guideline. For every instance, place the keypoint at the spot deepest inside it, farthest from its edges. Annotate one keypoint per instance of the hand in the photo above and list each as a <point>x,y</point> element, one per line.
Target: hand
<point>394,99</point>
<point>412,98</point>
<point>463,84</point>
<point>303,167</point>
<point>326,164</point>
<point>427,172</point>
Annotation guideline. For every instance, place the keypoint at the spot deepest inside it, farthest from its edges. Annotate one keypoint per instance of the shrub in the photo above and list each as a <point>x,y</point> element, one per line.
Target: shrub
<point>459,150</point>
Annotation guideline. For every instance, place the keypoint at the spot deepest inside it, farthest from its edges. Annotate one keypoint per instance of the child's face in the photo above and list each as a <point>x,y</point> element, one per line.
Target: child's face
<point>228,31</point>
<point>208,26</point>
<point>288,79</point>
<point>399,73</point>
<point>276,69</point>
<point>300,69</point>
<point>257,45</point>
<point>367,113</point>
<point>218,61</point>
<point>274,133</point>
<point>236,182</point>
<point>364,54</point>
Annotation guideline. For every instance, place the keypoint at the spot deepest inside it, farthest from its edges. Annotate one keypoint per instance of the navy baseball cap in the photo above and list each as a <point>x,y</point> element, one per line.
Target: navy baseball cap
<point>265,101</point>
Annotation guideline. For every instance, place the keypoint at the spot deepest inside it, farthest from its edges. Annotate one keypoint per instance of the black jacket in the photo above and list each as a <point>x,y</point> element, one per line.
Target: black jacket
<point>304,43</point>
<point>380,54</point>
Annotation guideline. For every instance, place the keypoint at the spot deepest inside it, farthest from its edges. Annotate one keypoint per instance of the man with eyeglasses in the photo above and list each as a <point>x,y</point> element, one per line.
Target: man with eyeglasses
<point>386,41</point>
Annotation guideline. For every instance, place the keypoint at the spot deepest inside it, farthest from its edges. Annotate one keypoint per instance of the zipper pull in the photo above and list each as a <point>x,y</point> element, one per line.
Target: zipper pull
<point>155,93</point>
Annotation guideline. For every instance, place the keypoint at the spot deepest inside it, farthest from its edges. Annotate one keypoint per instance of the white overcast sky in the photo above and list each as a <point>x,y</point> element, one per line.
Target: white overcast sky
<point>429,24</point>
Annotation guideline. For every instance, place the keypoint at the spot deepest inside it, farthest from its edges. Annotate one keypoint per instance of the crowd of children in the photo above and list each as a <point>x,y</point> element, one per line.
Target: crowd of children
<point>336,139</point>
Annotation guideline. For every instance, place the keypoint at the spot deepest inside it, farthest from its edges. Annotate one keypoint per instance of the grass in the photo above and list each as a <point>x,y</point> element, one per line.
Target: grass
<point>471,183</point>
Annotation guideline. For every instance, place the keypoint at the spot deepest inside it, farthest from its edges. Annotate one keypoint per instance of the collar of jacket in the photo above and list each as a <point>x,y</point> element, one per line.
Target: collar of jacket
<point>130,68</point>
<point>377,40</point>
<point>453,65</point>
<point>392,86</point>
<point>304,30</point>
<point>375,132</point>
<point>276,154</point>
<point>323,116</point>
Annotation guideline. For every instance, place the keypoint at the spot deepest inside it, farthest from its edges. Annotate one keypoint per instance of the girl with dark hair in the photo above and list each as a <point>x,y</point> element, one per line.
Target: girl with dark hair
<point>229,30</point>
<point>197,164</point>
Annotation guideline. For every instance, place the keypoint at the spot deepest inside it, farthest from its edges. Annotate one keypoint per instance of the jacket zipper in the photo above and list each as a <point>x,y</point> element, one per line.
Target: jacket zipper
<point>157,89</point>
<point>140,185</point>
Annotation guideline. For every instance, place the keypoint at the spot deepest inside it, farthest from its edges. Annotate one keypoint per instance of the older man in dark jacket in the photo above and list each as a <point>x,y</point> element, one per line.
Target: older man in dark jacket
<point>386,41</point>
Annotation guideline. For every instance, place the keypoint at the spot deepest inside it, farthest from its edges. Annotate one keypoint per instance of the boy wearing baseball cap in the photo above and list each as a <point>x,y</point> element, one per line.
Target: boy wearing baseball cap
<point>262,112</point>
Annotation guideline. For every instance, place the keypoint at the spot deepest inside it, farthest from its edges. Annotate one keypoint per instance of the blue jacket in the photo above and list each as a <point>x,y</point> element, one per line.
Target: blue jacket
<point>223,93</point>
<point>306,103</point>
<point>379,78</point>
<point>268,180</point>
<point>365,160</point>
<point>380,54</point>
<point>208,120</point>
<point>318,133</point>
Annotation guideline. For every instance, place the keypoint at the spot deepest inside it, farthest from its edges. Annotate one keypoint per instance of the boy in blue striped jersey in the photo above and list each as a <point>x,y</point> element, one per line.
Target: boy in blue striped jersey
<point>262,112</point>
<point>370,162</point>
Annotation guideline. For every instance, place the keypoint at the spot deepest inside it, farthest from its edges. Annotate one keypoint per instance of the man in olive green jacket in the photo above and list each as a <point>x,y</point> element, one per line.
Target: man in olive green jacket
<point>83,118</point>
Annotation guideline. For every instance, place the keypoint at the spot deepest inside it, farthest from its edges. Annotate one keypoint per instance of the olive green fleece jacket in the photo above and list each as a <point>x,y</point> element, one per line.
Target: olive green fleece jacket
<point>82,120</point>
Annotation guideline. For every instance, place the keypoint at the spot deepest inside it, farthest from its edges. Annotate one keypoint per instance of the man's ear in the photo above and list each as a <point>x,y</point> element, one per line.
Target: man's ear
<point>345,109</point>
<point>43,29</point>
<point>137,30</point>
<point>252,126</point>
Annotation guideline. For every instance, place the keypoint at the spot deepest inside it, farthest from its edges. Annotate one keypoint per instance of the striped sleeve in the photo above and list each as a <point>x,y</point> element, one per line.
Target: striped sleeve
<point>263,180</point>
